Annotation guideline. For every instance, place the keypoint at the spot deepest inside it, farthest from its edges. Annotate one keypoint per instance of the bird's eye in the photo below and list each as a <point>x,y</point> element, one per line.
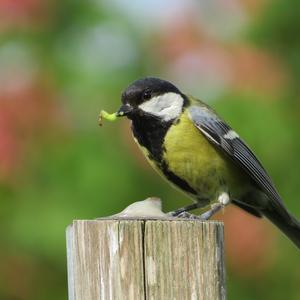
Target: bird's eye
<point>147,95</point>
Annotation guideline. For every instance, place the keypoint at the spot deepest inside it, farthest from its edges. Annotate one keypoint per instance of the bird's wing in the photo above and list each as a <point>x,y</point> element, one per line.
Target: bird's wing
<point>221,135</point>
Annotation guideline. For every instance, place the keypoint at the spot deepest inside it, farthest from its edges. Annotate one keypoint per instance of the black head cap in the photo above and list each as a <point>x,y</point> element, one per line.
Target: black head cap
<point>144,89</point>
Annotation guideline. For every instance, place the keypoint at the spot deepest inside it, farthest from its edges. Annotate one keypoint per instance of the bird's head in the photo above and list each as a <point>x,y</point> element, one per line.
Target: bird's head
<point>153,97</point>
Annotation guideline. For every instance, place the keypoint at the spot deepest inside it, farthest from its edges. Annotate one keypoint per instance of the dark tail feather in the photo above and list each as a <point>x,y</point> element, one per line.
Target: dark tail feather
<point>289,225</point>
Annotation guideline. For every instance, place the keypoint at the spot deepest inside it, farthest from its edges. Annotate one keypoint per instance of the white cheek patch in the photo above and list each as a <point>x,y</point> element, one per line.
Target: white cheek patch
<point>167,106</point>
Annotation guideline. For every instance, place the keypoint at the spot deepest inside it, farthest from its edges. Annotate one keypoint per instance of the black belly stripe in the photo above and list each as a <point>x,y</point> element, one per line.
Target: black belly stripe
<point>150,133</point>
<point>176,179</point>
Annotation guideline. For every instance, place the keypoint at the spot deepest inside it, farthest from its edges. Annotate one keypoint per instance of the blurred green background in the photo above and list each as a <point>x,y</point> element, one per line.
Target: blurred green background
<point>62,61</point>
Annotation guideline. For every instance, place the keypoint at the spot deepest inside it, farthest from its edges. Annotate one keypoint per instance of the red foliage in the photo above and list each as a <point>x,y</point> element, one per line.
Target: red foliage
<point>25,115</point>
<point>257,70</point>
<point>250,242</point>
<point>22,12</point>
<point>238,65</point>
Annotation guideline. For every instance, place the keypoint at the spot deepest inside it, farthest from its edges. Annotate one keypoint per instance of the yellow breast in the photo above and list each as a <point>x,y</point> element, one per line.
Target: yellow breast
<point>193,158</point>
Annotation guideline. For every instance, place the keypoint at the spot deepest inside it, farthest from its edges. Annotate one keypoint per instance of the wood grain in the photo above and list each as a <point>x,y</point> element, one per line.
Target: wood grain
<point>145,259</point>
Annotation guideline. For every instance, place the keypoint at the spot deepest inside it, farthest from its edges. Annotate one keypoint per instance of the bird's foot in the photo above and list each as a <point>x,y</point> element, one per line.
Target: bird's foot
<point>203,217</point>
<point>181,210</point>
<point>214,209</point>
<point>186,215</point>
<point>223,200</point>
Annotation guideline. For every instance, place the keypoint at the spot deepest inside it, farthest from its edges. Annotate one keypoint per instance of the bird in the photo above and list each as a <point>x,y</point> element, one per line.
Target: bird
<point>192,147</point>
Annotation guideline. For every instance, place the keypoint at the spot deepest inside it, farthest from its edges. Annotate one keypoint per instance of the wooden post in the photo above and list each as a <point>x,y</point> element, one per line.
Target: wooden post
<point>145,259</point>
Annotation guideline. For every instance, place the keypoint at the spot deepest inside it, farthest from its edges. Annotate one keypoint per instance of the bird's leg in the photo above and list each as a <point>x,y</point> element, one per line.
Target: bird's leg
<point>181,210</point>
<point>214,209</point>
<point>223,200</point>
<point>187,215</point>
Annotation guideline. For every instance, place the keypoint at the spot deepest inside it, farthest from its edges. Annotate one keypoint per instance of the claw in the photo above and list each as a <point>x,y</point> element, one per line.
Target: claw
<point>186,215</point>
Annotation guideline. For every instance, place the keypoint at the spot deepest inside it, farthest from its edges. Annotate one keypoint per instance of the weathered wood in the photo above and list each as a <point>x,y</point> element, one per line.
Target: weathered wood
<point>145,259</point>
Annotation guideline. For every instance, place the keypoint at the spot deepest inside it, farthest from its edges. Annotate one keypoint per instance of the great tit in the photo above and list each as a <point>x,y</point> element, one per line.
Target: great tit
<point>198,152</point>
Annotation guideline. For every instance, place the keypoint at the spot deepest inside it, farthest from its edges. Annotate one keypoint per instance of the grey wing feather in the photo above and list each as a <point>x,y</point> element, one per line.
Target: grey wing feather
<point>220,134</point>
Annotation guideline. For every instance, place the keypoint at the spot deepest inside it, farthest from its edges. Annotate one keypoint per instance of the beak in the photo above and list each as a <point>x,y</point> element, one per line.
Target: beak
<point>124,110</point>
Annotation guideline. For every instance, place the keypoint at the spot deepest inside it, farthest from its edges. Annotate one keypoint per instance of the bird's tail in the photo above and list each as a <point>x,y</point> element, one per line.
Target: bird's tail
<point>287,223</point>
